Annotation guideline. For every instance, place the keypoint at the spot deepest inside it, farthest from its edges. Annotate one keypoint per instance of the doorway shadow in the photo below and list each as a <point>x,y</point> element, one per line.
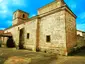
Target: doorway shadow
<point>10,42</point>
<point>21,39</point>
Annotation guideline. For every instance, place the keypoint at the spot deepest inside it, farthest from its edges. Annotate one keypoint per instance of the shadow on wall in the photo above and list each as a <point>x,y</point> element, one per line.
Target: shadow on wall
<point>77,51</point>
<point>10,42</point>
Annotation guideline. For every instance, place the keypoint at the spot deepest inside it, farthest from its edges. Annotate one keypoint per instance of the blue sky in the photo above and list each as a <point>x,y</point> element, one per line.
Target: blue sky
<point>7,7</point>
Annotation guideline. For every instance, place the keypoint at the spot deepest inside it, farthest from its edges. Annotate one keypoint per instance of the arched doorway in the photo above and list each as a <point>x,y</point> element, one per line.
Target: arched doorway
<point>10,42</point>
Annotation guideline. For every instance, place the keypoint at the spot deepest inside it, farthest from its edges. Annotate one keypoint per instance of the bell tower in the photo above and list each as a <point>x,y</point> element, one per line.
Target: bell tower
<point>19,17</point>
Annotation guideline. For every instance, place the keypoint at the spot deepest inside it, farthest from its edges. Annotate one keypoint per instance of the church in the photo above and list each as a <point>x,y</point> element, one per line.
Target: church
<point>52,29</point>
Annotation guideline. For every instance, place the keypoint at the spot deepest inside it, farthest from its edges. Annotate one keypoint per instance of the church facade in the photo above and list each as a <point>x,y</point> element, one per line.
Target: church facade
<point>53,29</point>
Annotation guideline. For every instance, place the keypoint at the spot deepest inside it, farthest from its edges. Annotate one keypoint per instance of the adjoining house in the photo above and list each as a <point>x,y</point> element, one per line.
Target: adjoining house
<point>80,39</point>
<point>54,28</point>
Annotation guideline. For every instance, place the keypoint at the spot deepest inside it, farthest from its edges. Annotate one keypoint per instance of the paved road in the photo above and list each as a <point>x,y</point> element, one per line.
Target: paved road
<point>77,58</point>
<point>41,58</point>
<point>70,60</point>
<point>37,57</point>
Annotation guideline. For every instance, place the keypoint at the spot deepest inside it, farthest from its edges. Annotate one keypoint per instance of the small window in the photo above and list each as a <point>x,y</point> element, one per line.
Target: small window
<point>23,16</point>
<point>48,38</point>
<point>27,35</point>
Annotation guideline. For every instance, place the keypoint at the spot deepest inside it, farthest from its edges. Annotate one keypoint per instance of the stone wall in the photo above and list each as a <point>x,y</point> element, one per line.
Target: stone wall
<point>71,36</point>
<point>49,7</point>
<point>59,25</point>
<point>83,35</point>
<point>80,41</point>
<point>31,27</point>
<point>4,41</point>
<point>53,25</point>
<point>19,17</point>
<point>1,42</point>
<point>15,33</point>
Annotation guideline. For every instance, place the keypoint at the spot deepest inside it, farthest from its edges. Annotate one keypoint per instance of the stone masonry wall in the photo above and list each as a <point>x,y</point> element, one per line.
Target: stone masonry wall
<point>18,17</point>
<point>70,31</point>
<point>53,25</point>
<point>80,41</point>
<point>30,27</point>
<point>15,33</point>
<point>49,7</point>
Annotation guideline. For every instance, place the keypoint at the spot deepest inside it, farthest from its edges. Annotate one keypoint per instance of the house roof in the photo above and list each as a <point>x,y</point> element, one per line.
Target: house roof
<point>1,31</point>
<point>81,31</point>
<point>8,34</point>
<point>22,22</point>
<point>21,11</point>
<point>36,15</point>
<point>56,1</point>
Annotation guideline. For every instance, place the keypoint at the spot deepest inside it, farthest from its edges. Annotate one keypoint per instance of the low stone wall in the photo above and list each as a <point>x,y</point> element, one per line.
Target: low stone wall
<point>57,50</point>
<point>80,41</point>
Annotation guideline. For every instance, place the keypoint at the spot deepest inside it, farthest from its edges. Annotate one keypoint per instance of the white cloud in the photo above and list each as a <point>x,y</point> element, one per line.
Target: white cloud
<point>4,9</point>
<point>4,6</point>
<point>2,28</point>
<point>81,27</point>
<point>7,7</point>
<point>81,21</point>
<point>1,1</point>
<point>33,15</point>
<point>19,2</point>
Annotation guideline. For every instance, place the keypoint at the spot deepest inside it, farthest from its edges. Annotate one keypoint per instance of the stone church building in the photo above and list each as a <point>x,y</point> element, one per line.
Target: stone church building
<point>54,28</point>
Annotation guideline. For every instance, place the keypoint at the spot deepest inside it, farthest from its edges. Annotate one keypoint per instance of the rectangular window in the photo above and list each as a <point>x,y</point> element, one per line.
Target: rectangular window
<point>27,35</point>
<point>48,38</point>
